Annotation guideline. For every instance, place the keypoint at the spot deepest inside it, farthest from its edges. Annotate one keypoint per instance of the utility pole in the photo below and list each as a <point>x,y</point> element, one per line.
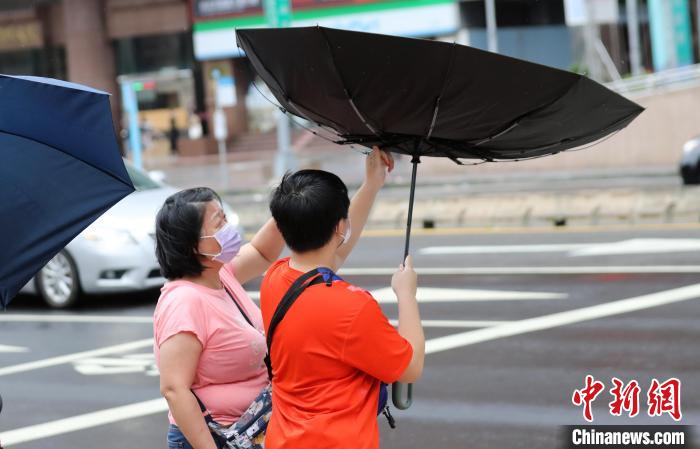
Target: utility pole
<point>591,37</point>
<point>697,25</point>
<point>633,37</point>
<point>278,15</point>
<point>491,26</point>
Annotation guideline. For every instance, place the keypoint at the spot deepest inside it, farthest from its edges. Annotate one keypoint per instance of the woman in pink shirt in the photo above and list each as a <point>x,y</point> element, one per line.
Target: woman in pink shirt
<point>208,333</point>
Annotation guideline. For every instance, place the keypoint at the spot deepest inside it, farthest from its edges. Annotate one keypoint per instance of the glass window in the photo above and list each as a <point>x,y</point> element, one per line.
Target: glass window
<point>153,53</point>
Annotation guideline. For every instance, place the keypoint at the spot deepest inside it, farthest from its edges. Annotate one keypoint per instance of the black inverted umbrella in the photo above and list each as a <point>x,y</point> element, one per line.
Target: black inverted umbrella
<point>60,169</point>
<point>428,98</point>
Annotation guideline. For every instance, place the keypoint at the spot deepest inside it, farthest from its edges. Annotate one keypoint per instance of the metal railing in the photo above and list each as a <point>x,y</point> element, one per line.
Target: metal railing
<point>647,84</point>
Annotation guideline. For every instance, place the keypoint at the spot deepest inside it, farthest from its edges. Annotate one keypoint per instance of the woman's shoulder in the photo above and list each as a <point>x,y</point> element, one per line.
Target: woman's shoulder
<point>179,294</point>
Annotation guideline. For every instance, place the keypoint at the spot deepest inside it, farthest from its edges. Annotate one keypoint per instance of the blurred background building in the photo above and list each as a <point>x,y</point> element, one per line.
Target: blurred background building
<point>181,59</point>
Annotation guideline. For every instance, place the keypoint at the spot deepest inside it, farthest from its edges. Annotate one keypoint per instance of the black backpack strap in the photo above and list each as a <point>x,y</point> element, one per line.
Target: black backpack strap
<point>304,281</point>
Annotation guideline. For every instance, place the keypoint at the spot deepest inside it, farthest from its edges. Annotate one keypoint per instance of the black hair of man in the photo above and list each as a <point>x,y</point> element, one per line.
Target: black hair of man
<point>178,227</point>
<point>307,206</point>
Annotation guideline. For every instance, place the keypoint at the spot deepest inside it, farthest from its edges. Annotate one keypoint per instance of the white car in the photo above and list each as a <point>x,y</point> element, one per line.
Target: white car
<point>114,254</point>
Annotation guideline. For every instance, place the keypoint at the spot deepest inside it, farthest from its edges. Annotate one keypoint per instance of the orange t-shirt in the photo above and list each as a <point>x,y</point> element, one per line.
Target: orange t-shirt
<point>329,354</point>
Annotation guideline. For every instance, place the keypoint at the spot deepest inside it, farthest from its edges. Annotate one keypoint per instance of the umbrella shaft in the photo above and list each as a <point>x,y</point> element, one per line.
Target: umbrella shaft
<point>415,161</point>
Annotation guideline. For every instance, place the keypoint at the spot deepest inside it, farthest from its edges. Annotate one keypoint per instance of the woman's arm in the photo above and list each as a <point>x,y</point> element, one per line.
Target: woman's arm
<point>378,164</point>
<point>257,255</point>
<point>179,356</point>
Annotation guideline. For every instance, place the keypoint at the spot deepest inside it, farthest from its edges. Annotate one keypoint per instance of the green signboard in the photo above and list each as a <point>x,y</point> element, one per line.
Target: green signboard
<point>670,33</point>
<point>278,13</point>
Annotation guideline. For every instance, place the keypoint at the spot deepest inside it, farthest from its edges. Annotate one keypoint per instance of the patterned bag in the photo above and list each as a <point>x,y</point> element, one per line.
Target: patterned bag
<point>249,431</point>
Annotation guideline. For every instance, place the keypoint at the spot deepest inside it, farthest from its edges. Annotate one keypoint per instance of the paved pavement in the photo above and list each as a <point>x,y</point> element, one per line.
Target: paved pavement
<point>514,322</point>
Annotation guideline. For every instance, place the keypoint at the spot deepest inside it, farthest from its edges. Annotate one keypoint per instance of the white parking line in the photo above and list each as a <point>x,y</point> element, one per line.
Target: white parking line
<point>86,421</point>
<point>53,361</point>
<point>563,318</point>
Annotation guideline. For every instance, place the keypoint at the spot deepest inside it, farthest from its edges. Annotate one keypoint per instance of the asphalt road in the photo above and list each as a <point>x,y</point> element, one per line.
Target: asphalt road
<point>514,323</point>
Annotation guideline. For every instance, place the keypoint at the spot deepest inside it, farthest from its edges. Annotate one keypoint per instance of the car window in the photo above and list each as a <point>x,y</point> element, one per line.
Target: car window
<point>140,179</point>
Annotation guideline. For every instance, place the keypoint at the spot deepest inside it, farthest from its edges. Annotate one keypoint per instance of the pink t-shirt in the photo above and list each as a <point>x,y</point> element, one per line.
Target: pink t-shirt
<point>231,370</point>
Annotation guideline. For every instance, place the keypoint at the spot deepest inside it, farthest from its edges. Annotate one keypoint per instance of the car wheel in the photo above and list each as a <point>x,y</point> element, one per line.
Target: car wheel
<point>58,282</point>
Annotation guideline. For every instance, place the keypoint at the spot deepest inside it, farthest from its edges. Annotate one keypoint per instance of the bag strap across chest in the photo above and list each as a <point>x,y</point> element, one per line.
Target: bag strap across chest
<point>306,280</point>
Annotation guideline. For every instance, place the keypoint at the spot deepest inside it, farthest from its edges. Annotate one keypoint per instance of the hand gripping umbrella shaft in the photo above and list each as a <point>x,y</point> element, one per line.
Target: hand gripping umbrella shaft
<point>397,388</point>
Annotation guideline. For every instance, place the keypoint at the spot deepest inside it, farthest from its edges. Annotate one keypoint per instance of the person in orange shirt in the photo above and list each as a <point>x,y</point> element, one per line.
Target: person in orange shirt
<point>334,347</point>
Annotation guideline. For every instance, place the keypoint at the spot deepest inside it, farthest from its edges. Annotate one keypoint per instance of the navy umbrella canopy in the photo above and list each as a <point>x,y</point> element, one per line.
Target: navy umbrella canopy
<point>60,169</point>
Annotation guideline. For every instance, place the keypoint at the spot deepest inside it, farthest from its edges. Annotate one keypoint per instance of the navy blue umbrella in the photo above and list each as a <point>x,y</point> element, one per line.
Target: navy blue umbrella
<point>60,169</point>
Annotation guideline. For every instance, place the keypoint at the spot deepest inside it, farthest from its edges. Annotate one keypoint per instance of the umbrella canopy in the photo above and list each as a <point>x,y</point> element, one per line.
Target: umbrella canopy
<point>430,98</point>
<point>60,169</point>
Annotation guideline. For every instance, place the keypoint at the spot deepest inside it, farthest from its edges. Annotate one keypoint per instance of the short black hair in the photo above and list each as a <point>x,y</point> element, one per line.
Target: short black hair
<point>307,206</point>
<point>178,227</point>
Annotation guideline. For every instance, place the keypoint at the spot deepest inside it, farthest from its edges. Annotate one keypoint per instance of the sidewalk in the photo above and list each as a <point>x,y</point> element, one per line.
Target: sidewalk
<point>450,195</point>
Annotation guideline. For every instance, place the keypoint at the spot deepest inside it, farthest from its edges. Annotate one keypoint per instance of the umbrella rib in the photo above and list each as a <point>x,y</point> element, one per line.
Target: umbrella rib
<point>342,83</point>
<point>517,121</point>
<point>297,106</point>
<point>496,136</point>
<point>448,72</point>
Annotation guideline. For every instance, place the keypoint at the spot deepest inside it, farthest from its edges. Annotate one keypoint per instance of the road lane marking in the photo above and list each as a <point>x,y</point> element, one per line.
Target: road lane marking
<point>430,294</point>
<point>501,249</point>
<point>562,319</point>
<point>81,422</point>
<point>127,364</point>
<point>433,346</point>
<point>8,348</point>
<point>532,271</point>
<point>623,247</point>
<point>454,323</point>
<point>573,229</point>
<point>639,246</point>
<point>66,318</point>
<point>60,360</point>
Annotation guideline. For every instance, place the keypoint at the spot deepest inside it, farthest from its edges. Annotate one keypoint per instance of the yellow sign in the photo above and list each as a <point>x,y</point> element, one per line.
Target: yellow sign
<point>20,36</point>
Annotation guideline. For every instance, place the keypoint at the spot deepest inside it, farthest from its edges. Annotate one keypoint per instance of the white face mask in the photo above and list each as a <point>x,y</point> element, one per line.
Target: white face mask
<point>348,232</point>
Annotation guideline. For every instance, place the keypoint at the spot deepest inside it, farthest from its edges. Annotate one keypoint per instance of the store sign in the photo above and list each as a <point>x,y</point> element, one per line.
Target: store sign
<point>213,8</point>
<point>671,33</point>
<point>412,18</point>
<point>206,9</point>
<point>277,13</point>
<point>20,36</point>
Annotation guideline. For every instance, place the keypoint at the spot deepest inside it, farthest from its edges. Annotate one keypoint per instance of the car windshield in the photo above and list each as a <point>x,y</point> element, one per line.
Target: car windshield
<point>140,179</point>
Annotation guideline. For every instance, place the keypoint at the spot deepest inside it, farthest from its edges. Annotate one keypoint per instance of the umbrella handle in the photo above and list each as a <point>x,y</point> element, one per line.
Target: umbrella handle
<point>397,387</point>
<point>415,161</point>
<point>397,396</point>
